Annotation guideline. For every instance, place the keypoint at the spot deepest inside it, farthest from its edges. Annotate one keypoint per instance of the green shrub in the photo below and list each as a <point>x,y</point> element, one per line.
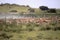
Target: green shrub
<point>4,36</point>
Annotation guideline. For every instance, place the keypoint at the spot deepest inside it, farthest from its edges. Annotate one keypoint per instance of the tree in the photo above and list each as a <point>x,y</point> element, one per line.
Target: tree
<point>43,8</point>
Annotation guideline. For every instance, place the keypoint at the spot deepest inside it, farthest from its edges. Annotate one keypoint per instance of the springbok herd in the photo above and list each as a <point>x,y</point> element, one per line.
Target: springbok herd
<point>31,20</point>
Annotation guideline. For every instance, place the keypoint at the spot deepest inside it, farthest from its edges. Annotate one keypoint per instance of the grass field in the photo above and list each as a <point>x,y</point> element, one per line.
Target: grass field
<point>36,35</point>
<point>30,31</point>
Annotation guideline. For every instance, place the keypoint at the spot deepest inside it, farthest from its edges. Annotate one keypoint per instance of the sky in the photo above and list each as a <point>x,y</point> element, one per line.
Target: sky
<point>34,3</point>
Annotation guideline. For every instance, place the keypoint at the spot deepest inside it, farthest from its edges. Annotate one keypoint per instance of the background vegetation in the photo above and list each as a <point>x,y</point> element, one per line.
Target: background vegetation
<point>8,8</point>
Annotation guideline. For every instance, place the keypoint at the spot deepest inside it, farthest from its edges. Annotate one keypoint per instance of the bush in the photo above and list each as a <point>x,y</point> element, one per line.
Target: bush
<point>4,36</point>
<point>31,10</point>
<point>13,11</point>
<point>52,11</point>
<point>56,28</point>
<point>42,28</point>
<point>27,6</point>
